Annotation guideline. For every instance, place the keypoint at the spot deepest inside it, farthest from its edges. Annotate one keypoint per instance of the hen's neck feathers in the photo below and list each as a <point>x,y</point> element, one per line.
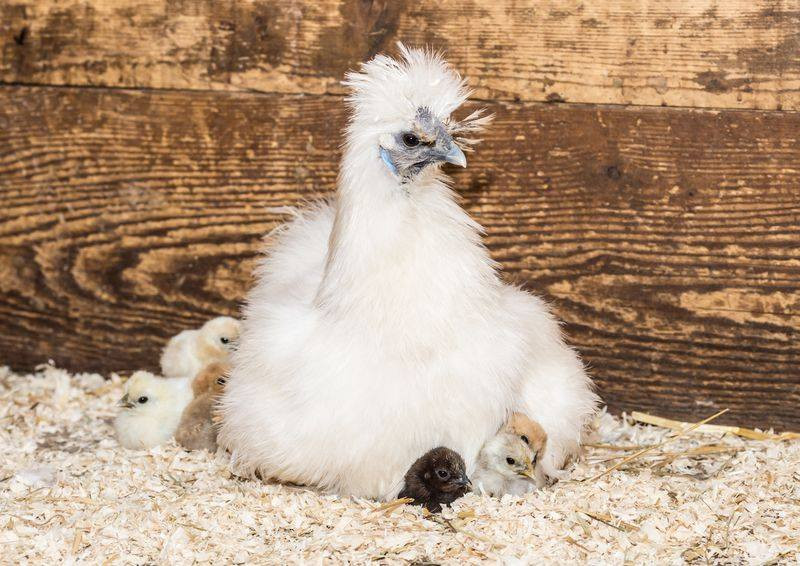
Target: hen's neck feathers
<point>402,255</point>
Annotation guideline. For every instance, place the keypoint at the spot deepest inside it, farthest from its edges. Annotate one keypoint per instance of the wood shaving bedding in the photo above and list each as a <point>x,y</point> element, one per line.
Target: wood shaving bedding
<point>69,493</point>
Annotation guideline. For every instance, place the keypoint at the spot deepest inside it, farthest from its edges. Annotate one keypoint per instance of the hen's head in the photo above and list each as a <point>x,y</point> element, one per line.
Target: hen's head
<point>402,112</point>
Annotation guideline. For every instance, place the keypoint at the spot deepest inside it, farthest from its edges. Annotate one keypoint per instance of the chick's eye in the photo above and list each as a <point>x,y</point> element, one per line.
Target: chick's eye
<point>443,474</point>
<point>410,140</point>
<point>511,461</point>
<point>142,399</point>
<point>221,381</point>
<point>224,340</point>
<point>524,439</point>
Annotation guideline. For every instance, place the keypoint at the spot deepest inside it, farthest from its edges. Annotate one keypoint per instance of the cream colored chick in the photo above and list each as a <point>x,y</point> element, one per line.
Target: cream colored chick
<point>197,429</point>
<point>191,350</point>
<point>532,434</point>
<point>503,460</point>
<point>151,409</point>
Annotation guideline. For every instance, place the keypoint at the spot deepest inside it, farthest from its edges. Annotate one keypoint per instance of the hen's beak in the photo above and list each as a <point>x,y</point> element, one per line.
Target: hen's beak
<point>125,402</point>
<point>456,156</point>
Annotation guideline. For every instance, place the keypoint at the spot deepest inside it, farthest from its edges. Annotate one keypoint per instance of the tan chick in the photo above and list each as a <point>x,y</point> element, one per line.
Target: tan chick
<point>205,380</point>
<point>191,350</point>
<point>197,429</point>
<point>532,434</point>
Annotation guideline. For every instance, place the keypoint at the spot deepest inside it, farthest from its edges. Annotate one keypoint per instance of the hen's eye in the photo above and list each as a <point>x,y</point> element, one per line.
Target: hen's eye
<point>142,399</point>
<point>524,439</point>
<point>511,461</point>
<point>442,474</point>
<point>410,140</point>
<point>224,340</point>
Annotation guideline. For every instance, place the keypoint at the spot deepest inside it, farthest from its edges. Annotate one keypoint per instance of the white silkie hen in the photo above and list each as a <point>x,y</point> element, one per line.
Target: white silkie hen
<point>151,409</point>
<point>191,350</point>
<point>378,328</point>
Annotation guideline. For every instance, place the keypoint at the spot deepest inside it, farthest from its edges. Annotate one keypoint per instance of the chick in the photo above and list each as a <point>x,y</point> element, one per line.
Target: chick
<point>503,459</point>
<point>532,434</point>
<point>191,350</point>
<point>438,477</point>
<point>207,377</point>
<point>151,409</point>
<point>197,429</point>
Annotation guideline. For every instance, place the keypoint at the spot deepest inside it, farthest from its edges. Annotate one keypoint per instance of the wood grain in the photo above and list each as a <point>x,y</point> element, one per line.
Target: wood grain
<point>667,239</point>
<point>696,53</point>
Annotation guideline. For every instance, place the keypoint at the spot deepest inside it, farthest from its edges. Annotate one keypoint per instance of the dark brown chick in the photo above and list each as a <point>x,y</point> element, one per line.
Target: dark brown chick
<point>438,477</point>
<point>197,430</point>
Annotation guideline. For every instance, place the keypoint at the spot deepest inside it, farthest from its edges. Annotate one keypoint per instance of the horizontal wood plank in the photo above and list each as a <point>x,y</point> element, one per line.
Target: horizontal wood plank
<point>696,53</point>
<point>666,239</point>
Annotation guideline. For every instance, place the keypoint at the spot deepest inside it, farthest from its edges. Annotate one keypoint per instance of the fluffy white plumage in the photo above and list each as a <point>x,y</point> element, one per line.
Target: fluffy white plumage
<point>189,351</point>
<point>151,409</point>
<point>378,328</point>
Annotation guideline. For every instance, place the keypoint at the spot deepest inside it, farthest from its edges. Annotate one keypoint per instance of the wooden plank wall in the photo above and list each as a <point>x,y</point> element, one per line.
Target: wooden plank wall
<point>643,173</point>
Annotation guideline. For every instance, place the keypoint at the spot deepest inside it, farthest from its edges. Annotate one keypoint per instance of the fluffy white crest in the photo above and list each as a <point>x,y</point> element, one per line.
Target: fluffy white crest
<point>391,90</point>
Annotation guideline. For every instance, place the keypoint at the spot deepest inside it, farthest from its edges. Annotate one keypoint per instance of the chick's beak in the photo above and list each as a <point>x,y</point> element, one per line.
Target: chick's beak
<point>125,402</point>
<point>528,472</point>
<point>464,481</point>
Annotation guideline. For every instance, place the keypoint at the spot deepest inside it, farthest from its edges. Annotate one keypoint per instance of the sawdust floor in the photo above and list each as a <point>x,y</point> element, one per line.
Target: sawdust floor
<point>69,493</point>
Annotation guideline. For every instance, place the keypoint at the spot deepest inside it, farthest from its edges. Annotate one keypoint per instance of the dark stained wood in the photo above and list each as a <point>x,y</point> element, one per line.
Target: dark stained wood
<point>731,54</point>
<point>667,239</point>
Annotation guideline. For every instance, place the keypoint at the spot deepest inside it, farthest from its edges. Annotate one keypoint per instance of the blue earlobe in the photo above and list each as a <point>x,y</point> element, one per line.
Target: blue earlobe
<point>388,160</point>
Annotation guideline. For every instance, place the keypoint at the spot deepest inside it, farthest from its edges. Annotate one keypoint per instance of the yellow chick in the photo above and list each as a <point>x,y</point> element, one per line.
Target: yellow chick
<point>151,409</point>
<point>504,459</point>
<point>197,429</point>
<point>532,434</point>
<point>191,350</point>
